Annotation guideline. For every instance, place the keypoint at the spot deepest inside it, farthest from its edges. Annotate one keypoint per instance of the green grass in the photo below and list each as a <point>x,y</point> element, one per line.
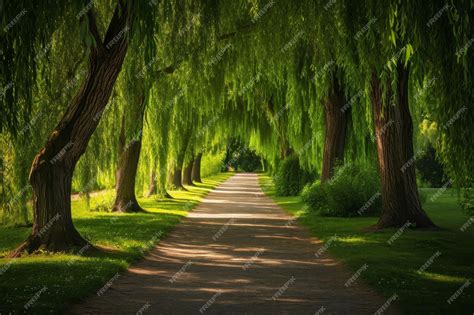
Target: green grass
<point>394,268</point>
<point>124,238</point>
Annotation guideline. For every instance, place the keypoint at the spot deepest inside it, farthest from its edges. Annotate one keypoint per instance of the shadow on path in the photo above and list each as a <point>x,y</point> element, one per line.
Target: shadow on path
<point>236,253</point>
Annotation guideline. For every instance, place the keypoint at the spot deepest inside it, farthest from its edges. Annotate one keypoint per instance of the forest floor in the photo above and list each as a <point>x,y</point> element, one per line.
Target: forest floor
<point>46,283</point>
<point>237,253</point>
<point>423,268</point>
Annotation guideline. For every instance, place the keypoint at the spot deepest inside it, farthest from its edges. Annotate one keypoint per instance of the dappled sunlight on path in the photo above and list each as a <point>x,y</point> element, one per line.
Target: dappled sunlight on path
<point>237,253</point>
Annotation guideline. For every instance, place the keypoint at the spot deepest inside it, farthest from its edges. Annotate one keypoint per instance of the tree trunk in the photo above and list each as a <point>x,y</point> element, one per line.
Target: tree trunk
<point>187,178</point>
<point>196,172</point>
<point>52,168</point>
<point>335,123</point>
<point>125,199</point>
<point>153,186</point>
<point>177,170</point>
<point>394,135</point>
<point>176,177</point>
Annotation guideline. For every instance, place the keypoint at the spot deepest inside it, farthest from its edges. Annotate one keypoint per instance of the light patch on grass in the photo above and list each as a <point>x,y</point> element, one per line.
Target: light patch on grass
<point>394,267</point>
<point>354,239</point>
<point>442,277</point>
<point>122,237</point>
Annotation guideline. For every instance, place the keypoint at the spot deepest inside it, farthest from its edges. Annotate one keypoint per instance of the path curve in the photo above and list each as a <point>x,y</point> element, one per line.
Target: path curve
<point>236,253</point>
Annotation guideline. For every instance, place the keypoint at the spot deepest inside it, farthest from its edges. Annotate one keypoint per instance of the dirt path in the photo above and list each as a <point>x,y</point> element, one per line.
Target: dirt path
<point>236,253</point>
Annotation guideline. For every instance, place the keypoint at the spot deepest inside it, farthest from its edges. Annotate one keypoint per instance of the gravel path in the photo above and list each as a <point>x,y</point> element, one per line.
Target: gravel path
<point>236,253</point>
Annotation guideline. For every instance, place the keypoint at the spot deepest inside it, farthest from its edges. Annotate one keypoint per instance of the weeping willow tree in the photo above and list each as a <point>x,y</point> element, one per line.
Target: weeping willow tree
<point>136,84</point>
<point>326,81</point>
<point>391,43</point>
<point>378,51</point>
<point>38,98</point>
<point>157,139</point>
<point>52,169</point>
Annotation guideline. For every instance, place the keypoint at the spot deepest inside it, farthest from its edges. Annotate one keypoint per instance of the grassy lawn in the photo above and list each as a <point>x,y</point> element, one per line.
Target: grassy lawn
<point>60,279</point>
<point>394,269</point>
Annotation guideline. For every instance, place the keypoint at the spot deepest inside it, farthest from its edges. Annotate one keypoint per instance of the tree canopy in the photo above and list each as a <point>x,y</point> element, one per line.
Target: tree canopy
<point>199,73</point>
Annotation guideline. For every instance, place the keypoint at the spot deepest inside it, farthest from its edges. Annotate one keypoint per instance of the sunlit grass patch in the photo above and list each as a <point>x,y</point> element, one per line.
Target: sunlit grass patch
<point>120,237</point>
<point>442,277</point>
<point>354,239</point>
<point>393,268</point>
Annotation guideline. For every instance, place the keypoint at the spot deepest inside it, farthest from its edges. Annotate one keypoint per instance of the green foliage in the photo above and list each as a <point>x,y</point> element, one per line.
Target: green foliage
<point>249,161</point>
<point>211,164</point>
<point>395,267</point>
<point>315,196</point>
<point>102,206</point>
<point>291,178</point>
<point>215,70</point>
<point>239,157</point>
<point>467,200</point>
<point>429,169</point>
<point>354,190</point>
<point>73,276</point>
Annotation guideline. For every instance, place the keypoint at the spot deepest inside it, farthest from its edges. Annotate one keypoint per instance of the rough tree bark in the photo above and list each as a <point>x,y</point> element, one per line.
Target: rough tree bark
<point>394,137</point>
<point>52,168</point>
<point>335,122</point>
<point>125,198</point>
<point>196,172</point>
<point>187,176</point>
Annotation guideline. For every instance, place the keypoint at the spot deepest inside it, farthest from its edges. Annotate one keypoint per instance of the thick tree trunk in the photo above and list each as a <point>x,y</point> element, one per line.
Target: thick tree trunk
<point>335,123</point>
<point>125,199</point>
<point>394,136</point>
<point>196,172</point>
<point>53,229</point>
<point>175,177</point>
<point>52,168</point>
<point>187,177</point>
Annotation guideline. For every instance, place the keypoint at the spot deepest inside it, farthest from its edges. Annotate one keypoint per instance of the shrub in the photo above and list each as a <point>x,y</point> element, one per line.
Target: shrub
<point>240,157</point>
<point>314,196</point>
<point>429,169</point>
<point>102,206</point>
<point>354,190</point>
<point>291,178</point>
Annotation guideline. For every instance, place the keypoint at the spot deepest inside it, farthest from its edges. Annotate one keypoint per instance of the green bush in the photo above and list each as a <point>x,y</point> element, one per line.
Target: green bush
<point>291,178</point>
<point>429,170</point>
<point>354,190</point>
<point>315,196</point>
<point>239,157</point>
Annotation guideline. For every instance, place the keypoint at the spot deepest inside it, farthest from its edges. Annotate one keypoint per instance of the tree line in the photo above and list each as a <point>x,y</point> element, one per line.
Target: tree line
<point>175,80</point>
